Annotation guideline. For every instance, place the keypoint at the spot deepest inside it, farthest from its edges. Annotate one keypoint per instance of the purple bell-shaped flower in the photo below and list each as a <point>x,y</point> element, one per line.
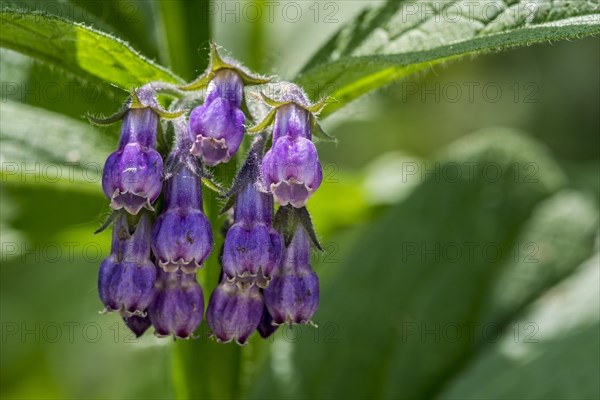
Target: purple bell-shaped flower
<point>182,236</point>
<point>217,126</point>
<point>252,248</point>
<point>234,312</point>
<point>127,276</point>
<point>293,295</point>
<point>291,168</point>
<point>132,175</point>
<point>178,306</point>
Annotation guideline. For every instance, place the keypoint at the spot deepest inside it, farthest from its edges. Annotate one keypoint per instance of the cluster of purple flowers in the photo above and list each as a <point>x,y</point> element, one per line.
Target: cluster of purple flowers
<point>266,278</point>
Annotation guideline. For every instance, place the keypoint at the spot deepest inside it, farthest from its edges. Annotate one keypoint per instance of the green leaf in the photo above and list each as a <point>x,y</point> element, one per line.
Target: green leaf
<point>554,241</point>
<point>185,34</point>
<point>560,329</point>
<point>559,367</point>
<point>44,148</point>
<point>430,265</point>
<point>404,37</point>
<point>81,50</point>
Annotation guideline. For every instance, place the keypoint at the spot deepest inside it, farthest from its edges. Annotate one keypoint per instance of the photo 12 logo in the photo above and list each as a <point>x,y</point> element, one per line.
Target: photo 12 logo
<point>470,332</point>
<point>51,172</point>
<point>254,12</point>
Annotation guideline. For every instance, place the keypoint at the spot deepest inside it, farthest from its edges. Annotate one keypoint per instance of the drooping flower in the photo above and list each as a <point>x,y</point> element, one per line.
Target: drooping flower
<point>234,312</point>
<point>127,276</point>
<point>132,175</point>
<point>252,248</point>
<point>217,126</point>
<point>178,306</point>
<point>291,168</point>
<point>182,236</point>
<point>293,295</point>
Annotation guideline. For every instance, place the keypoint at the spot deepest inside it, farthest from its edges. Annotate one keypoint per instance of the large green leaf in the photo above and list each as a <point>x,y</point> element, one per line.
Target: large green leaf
<point>553,242</point>
<point>550,246</point>
<point>403,37</point>
<point>429,267</point>
<point>551,351</point>
<point>124,19</point>
<point>81,50</point>
<point>542,327</point>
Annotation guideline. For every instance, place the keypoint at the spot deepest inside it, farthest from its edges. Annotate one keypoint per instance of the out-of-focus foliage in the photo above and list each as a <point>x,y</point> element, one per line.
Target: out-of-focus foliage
<point>402,315</point>
<point>452,265</point>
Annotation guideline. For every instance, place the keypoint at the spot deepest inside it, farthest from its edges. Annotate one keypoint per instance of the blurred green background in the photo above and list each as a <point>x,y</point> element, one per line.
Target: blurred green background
<point>459,214</point>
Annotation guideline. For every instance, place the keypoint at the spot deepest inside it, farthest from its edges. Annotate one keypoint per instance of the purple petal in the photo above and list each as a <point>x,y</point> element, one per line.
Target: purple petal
<point>178,307</point>
<point>182,237</point>
<point>252,252</point>
<point>234,313</point>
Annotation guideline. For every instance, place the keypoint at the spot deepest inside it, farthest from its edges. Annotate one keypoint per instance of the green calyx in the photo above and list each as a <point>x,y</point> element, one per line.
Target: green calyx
<point>144,97</point>
<point>314,109</point>
<point>217,63</point>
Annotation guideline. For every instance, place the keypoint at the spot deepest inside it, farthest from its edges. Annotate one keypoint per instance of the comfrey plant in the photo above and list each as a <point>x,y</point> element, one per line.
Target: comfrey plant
<point>161,235</point>
<point>249,138</point>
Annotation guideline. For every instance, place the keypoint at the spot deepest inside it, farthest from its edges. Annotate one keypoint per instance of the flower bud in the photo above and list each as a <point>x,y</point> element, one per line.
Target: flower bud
<point>127,276</point>
<point>132,175</point>
<point>293,295</point>
<point>182,236</point>
<point>234,313</point>
<point>252,248</point>
<point>178,306</point>
<point>138,325</point>
<point>217,126</point>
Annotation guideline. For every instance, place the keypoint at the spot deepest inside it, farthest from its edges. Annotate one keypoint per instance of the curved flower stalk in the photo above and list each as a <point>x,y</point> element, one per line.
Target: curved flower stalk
<point>182,236</point>
<point>293,295</point>
<point>127,276</point>
<point>178,306</point>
